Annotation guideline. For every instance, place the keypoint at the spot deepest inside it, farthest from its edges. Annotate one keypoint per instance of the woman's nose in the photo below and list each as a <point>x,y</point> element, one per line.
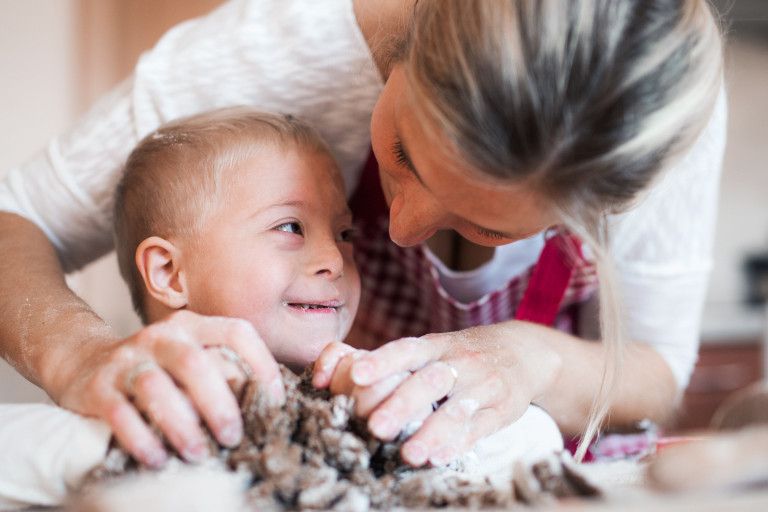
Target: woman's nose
<point>327,259</point>
<point>412,221</point>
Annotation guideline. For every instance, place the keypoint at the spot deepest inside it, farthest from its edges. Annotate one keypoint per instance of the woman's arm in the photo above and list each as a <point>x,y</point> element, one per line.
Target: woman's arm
<point>37,308</point>
<point>56,341</point>
<point>490,375</point>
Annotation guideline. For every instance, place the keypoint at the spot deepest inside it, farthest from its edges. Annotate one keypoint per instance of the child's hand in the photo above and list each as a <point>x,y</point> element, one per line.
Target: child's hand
<point>333,369</point>
<point>165,373</point>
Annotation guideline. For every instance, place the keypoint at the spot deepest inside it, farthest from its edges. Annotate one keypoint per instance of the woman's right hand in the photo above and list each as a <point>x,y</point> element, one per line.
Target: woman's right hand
<point>164,373</point>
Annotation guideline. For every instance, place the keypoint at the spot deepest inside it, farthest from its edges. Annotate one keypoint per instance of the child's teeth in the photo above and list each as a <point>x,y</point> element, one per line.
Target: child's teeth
<point>309,306</point>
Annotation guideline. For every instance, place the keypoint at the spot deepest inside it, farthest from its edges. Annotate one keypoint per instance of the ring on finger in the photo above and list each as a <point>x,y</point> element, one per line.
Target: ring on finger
<point>134,373</point>
<point>234,357</point>
<point>454,373</point>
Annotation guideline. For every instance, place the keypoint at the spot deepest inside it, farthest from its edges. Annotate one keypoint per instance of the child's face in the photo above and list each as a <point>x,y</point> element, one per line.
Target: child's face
<point>277,253</point>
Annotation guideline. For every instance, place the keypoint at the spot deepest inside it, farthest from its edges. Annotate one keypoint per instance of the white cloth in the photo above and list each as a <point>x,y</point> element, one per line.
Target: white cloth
<point>45,452</point>
<point>309,58</point>
<point>533,437</point>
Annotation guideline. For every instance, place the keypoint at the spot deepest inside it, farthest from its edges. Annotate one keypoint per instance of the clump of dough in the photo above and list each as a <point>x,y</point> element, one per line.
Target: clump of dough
<point>314,454</point>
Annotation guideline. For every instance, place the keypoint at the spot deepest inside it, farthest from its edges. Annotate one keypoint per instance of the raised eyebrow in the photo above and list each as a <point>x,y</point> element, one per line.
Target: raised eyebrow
<point>281,204</point>
<point>346,213</point>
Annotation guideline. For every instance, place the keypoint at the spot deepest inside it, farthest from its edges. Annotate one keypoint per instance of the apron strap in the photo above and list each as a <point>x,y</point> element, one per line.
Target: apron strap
<point>550,279</point>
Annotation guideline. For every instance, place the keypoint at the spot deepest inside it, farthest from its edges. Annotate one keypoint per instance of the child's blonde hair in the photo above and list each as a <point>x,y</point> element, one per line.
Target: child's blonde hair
<point>584,100</point>
<point>177,176</point>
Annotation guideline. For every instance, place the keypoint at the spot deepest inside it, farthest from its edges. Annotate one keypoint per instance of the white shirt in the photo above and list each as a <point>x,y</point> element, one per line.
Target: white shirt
<point>310,59</point>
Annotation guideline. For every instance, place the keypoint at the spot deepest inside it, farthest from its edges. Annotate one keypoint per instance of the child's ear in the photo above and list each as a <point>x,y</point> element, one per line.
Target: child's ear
<point>159,264</point>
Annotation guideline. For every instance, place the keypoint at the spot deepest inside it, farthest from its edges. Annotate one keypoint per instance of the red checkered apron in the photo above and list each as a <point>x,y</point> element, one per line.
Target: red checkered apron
<point>402,295</point>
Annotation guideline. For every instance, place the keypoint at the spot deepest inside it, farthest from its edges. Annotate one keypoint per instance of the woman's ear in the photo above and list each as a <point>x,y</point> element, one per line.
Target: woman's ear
<point>159,264</point>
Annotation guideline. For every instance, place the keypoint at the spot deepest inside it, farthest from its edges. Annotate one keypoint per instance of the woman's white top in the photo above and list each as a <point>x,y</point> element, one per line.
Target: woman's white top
<point>309,58</point>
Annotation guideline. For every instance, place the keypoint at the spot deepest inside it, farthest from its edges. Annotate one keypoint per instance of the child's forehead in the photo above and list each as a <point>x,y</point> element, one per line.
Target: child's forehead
<point>288,175</point>
<point>287,161</point>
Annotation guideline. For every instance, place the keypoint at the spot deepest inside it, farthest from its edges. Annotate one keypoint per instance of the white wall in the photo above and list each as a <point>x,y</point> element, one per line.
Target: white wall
<point>37,101</point>
<point>743,216</point>
<point>742,225</point>
<point>37,66</point>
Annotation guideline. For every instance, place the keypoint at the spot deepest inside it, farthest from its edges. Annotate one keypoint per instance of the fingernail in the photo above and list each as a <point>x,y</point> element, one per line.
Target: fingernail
<point>196,453</point>
<point>443,456</point>
<point>231,435</point>
<point>318,378</point>
<point>156,459</point>
<point>382,425</point>
<point>276,391</point>
<point>362,372</point>
<point>415,453</point>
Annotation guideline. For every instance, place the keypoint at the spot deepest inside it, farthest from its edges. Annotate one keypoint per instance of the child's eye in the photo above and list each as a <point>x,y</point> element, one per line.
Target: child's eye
<point>349,235</point>
<point>291,227</point>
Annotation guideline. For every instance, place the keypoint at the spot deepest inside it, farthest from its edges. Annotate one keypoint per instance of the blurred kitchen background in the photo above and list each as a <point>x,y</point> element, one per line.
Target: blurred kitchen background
<point>58,56</point>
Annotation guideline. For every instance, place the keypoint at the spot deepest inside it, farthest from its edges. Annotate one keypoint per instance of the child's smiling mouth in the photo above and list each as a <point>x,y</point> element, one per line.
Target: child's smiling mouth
<point>315,307</point>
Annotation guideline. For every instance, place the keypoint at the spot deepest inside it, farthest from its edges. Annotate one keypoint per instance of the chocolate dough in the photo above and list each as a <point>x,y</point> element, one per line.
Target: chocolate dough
<point>312,453</point>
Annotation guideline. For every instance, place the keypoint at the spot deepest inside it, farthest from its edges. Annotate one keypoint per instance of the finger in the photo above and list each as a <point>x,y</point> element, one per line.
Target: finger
<point>132,432</point>
<point>421,389</point>
<point>327,362</point>
<point>341,381</point>
<point>156,394</point>
<point>199,375</point>
<point>405,354</point>
<point>449,432</point>
<point>241,337</point>
<point>232,367</point>
<point>369,398</point>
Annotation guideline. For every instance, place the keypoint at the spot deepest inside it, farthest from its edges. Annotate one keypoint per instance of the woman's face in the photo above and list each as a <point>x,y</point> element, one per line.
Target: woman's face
<point>425,192</point>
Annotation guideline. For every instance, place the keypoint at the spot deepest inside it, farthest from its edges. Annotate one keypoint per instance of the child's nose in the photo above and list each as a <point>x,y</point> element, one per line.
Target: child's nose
<point>327,259</point>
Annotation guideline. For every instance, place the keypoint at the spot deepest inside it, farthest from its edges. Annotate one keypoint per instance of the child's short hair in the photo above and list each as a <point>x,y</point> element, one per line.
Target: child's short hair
<point>176,176</point>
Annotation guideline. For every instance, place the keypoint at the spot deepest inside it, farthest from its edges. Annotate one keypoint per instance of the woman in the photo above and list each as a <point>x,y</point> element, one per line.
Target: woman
<point>509,124</point>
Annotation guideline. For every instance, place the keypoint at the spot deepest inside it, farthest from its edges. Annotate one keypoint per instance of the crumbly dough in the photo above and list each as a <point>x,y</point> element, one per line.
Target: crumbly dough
<point>313,454</point>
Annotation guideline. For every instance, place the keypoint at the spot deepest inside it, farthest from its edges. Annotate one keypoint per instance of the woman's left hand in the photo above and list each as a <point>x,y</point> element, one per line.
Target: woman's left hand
<point>485,377</point>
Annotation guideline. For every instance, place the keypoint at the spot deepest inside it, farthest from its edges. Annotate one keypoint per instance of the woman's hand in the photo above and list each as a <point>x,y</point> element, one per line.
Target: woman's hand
<point>333,370</point>
<point>165,373</point>
<point>485,377</point>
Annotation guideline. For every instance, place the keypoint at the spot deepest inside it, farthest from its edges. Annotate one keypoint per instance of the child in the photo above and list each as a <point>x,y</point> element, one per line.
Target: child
<point>235,213</point>
<point>240,213</point>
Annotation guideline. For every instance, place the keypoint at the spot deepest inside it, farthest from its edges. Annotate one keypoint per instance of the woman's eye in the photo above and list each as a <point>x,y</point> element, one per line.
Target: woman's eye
<point>400,157</point>
<point>486,233</point>
<point>290,227</point>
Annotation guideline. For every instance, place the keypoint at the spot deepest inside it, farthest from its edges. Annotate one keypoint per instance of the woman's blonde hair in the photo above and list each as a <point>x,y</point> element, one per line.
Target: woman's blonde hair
<point>587,101</point>
<point>178,175</point>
